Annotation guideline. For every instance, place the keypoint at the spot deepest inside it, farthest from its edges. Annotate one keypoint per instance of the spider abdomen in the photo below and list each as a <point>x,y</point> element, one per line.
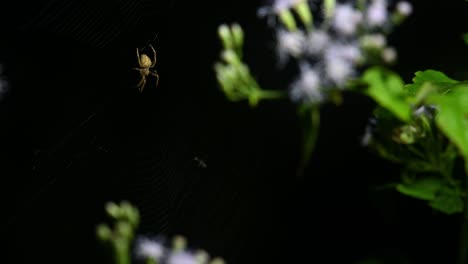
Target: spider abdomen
<point>145,61</point>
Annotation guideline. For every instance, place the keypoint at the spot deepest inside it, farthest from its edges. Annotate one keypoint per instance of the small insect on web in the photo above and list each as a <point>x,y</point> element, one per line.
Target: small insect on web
<point>146,67</point>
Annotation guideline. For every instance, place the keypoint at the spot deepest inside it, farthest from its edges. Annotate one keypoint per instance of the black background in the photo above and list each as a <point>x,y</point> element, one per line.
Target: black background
<point>76,133</point>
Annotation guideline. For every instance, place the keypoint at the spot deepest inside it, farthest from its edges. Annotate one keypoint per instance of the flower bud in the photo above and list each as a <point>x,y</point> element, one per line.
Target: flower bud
<point>217,261</point>
<point>303,11</point>
<point>404,8</point>
<point>103,232</point>
<point>231,57</point>
<point>237,35</point>
<point>287,18</point>
<point>113,210</point>
<point>329,8</point>
<point>225,35</point>
<point>179,243</point>
<point>389,55</point>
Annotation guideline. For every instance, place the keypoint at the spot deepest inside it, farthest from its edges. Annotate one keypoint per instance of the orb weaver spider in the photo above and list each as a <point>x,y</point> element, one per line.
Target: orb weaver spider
<point>146,68</point>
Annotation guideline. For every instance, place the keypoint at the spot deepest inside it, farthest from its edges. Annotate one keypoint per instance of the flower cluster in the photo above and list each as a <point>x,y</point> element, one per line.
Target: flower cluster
<point>120,238</point>
<point>154,251</point>
<point>330,49</point>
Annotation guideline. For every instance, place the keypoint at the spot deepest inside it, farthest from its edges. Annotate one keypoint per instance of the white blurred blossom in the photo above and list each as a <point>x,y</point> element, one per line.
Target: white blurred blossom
<point>290,44</point>
<point>307,86</point>
<point>346,19</point>
<point>350,52</point>
<point>389,55</point>
<point>276,8</point>
<point>339,70</point>
<point>340,62</point>
<point>182,257</point>
<point>317,42</point>
<point>377,13</point>
<point>147,248</point>
<point>331,52</point>
<point>404,8</point>
<point>155,250</point>
<point>281,5</point>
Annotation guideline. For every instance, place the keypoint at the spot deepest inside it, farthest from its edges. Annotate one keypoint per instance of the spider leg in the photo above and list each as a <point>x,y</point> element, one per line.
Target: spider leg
<point>155,74</point>
<point>143,84</point>
<point>142,79</point>
<point>138,57</point>
<point>154,56</point>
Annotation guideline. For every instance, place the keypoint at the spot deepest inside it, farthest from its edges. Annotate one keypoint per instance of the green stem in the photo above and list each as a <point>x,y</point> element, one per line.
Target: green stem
<point>463,251</point>
<point>311,115</point>
<point>271,94</point>
<point>256,95</point>
<point>122,251</point>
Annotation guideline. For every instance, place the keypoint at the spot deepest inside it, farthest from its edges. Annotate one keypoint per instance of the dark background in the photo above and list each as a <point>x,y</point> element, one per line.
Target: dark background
<point>76,133</point>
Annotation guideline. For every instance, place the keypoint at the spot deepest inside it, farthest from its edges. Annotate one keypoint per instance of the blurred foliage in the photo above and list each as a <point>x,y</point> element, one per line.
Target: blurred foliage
<point>119,237</point>
<point>424,127</point>
<point>233,74</point>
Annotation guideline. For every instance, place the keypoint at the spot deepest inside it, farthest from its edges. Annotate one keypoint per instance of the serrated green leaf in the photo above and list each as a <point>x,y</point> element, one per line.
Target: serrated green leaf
<point>441,81</point>
<point>452,116</point>
<point>432,76</point>
<point>386,88</point>
<point>424,189</point>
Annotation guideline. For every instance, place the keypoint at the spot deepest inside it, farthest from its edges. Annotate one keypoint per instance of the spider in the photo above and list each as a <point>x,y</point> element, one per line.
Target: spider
<point>145,69</point>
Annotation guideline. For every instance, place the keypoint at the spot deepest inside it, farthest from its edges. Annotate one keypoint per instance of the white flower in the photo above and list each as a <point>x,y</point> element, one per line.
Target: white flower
<point>281,5</point>
<point>389,55</point>
<point>317,41</point>
<point>346,19</point>
<point>377,13</point>
<point>348,52</point>
<point>340,60</point>
<point>404,8</point>
<point>181,257</point>
<point>307,87</point>
<point>275,9</point>
<point>147,248</point>
<point>339,71</point>
<point>290,43</point>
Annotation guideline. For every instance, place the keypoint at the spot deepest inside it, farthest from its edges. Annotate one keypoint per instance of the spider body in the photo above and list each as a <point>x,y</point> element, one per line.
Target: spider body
<point>146,68</point>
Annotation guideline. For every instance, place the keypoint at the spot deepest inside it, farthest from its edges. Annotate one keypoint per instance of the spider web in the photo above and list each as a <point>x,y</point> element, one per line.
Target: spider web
<point>97,23</point>
<point>83,136</point>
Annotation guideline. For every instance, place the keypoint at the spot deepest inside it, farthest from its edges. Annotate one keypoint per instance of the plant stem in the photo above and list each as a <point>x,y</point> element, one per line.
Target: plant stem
<point>271,94</point>
<point>311,119</point>
<point>463,251</point>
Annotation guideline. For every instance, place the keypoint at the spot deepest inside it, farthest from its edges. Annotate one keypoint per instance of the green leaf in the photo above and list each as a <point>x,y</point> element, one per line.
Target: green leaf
<point>437,78</point>
<point>424,189</point>
<point>465,38</point>
<point>386,88</point>
<point>452,116</point>
<point>448,201</point>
